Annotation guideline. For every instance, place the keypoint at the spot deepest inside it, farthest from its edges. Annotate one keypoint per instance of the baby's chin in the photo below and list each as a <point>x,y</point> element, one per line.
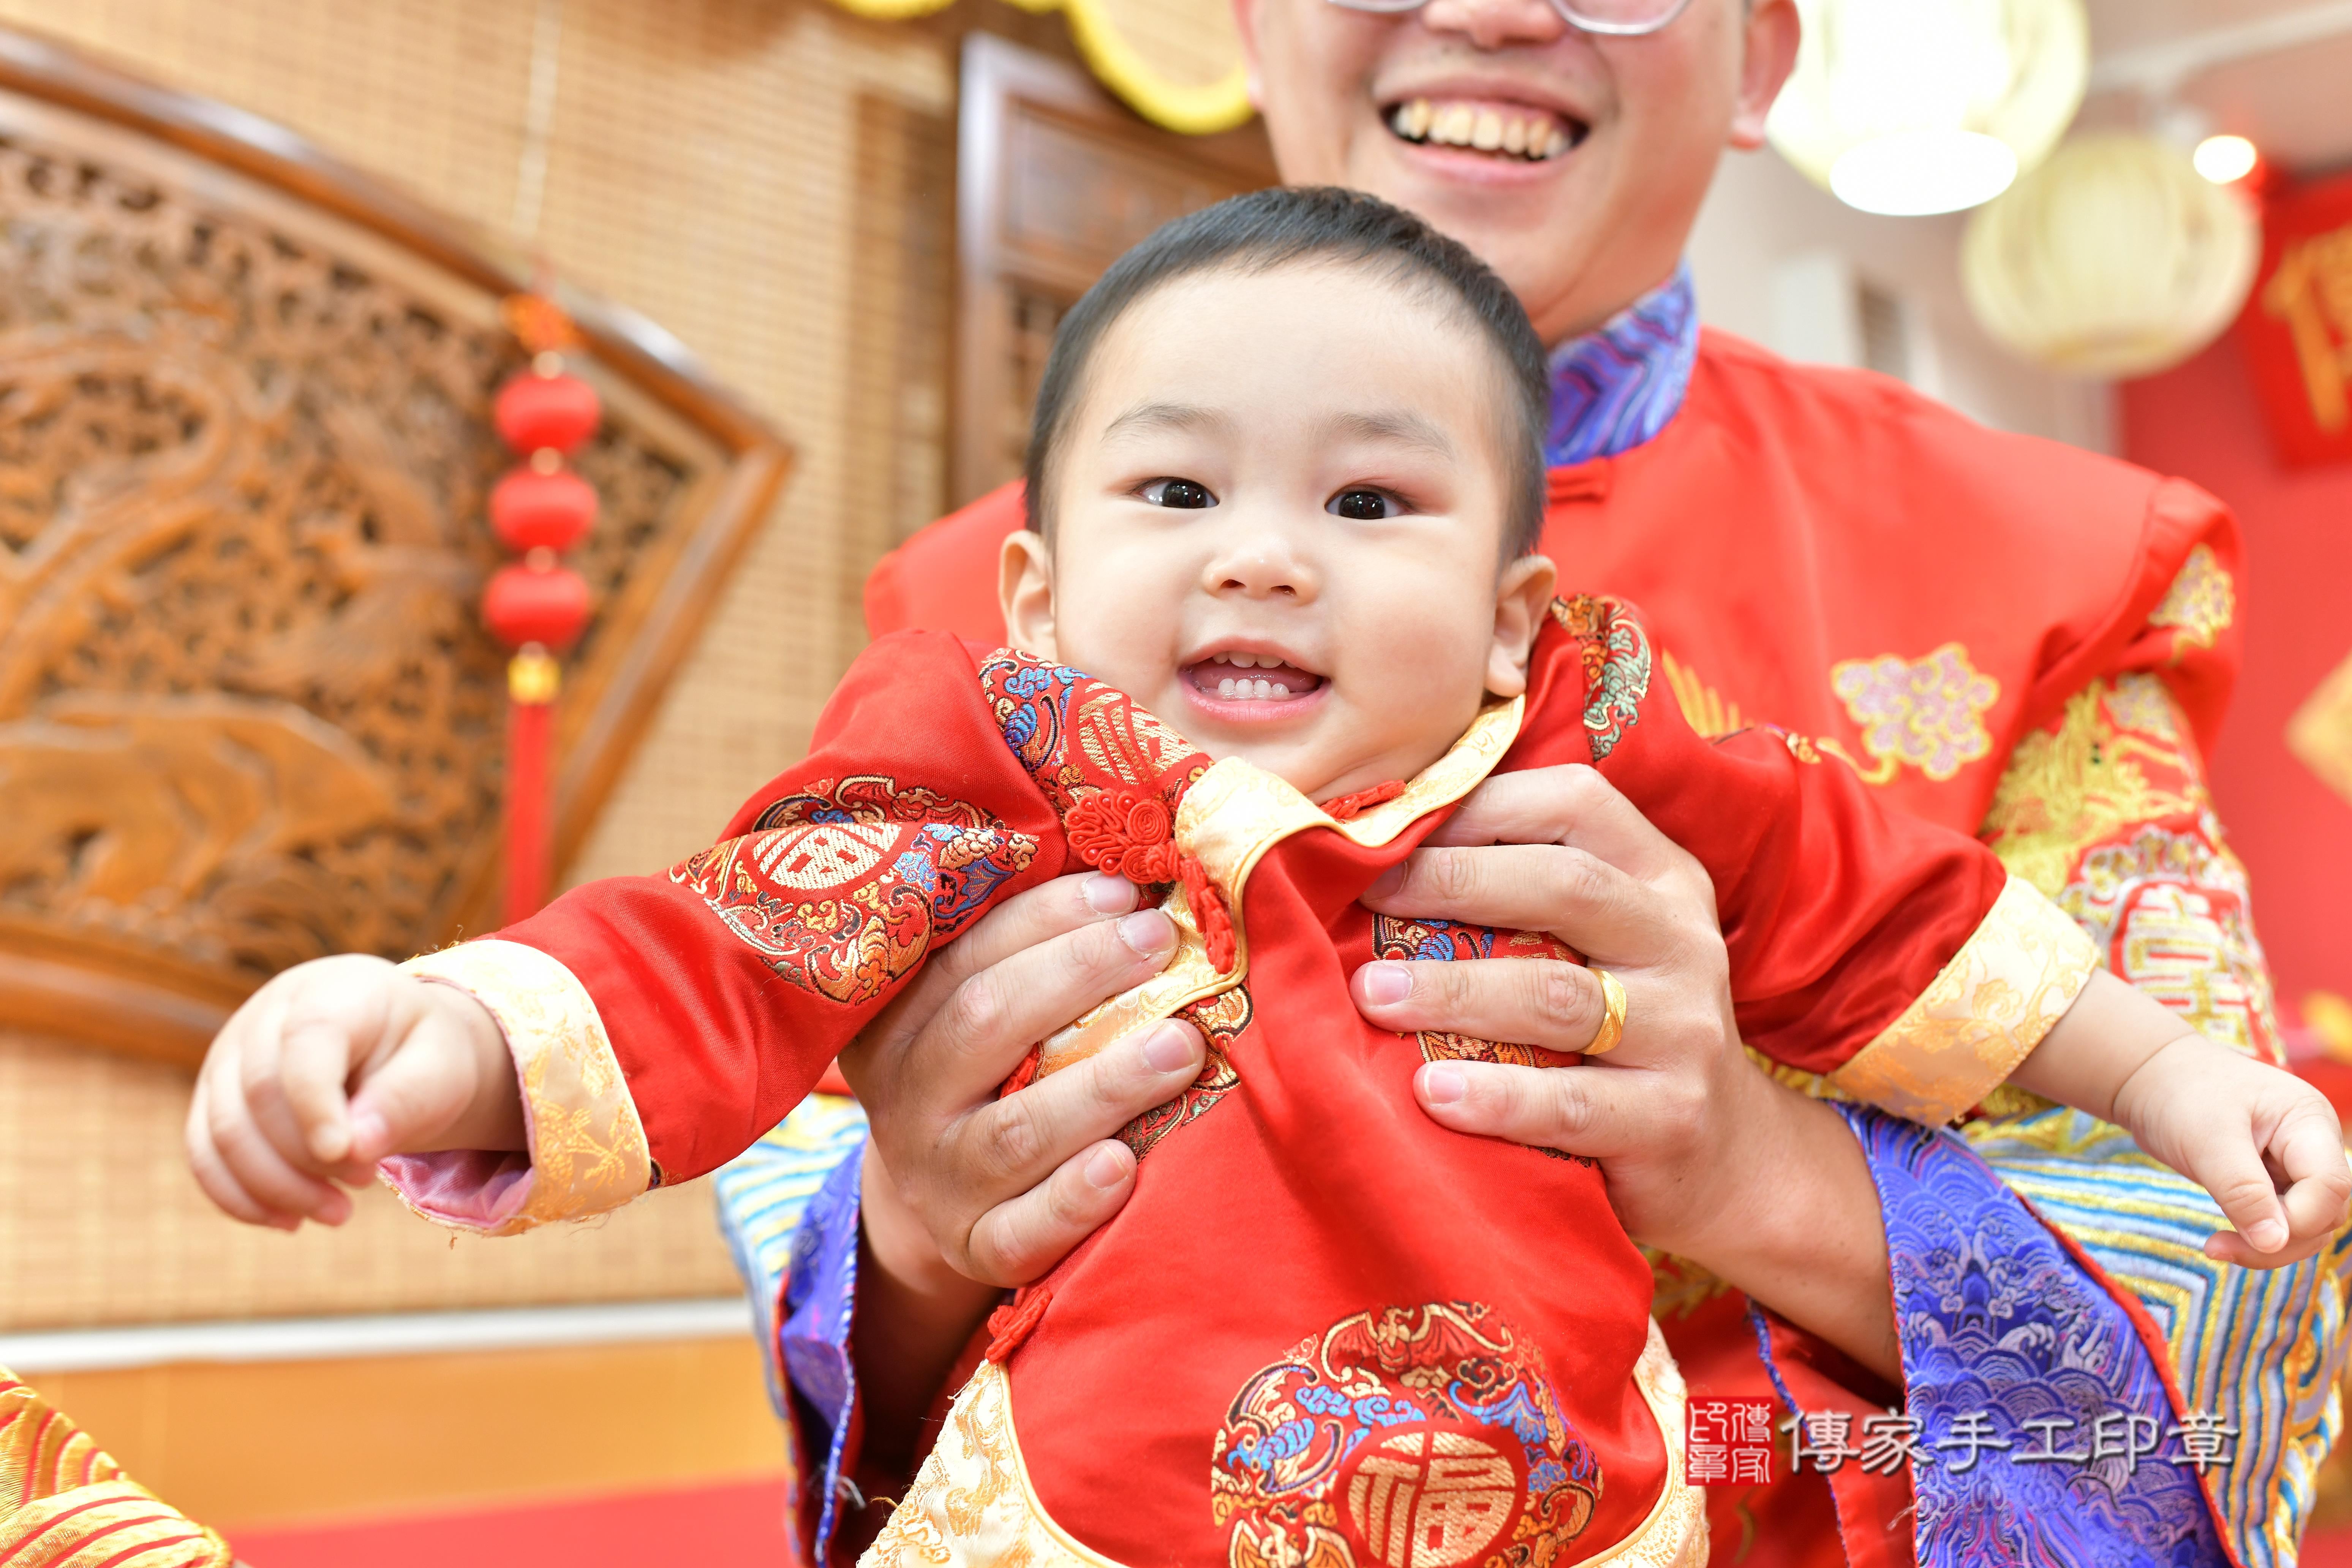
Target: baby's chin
<point>1321,775</point>
<point>1315,742</point>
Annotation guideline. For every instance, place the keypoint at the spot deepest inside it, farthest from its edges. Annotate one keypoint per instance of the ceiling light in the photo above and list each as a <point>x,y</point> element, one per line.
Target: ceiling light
<point>2113,258</point>
<point>2225,160</point>
<point>1927,106</point>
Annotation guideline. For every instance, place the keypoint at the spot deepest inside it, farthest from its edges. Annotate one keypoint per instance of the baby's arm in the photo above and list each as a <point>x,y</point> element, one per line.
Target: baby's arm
<point>333,1066</point>
<point>2263,1141</point>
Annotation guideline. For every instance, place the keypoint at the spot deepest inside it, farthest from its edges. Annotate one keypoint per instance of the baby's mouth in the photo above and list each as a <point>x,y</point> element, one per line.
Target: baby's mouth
<point>1510,131</point>
<point>1251,678</point>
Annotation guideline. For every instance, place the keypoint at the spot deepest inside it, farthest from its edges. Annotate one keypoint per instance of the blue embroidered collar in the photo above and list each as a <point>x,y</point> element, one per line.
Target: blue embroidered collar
<point>1615,388</point>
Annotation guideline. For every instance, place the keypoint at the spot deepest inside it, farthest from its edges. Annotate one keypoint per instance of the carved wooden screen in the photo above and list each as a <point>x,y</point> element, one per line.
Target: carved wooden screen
<point>1053,182</point>
<point>247,715</point>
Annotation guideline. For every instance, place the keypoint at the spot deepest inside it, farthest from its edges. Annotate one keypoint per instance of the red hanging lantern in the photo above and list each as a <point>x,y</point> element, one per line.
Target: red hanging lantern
<point>533,510</point>
<point>538,607</point>
<point>538,602</point>
<point>541,412</point>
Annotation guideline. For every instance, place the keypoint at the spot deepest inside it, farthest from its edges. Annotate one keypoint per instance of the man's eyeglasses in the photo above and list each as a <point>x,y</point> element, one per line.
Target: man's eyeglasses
<point>1617,18</point>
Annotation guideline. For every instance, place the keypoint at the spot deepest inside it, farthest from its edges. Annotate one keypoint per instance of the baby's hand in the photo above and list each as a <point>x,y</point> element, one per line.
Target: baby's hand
<point>329,1068</point>
<point>2263,1141</point>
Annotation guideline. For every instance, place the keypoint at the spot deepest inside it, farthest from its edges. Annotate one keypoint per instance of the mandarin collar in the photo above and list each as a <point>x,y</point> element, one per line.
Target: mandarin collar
<point>1615,388</point>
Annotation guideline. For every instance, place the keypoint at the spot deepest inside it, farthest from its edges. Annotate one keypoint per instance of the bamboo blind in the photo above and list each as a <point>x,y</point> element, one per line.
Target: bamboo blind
<point>708,159</point>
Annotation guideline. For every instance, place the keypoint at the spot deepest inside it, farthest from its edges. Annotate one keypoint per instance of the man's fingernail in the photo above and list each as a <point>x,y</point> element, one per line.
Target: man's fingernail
<point>1167,1048</point>
<point>2267,1236</point>
<point>1387,882</point>
<point>1105,1171</point>
<point>1108,895</point>
<point>1148,933</point>
<point>1386,984</point>
<point>371,1136</point>
<point>1442,1085</point>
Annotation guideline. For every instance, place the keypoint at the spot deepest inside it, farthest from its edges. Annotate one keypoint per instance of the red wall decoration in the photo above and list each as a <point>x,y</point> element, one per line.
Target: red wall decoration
<point>2297,327</point>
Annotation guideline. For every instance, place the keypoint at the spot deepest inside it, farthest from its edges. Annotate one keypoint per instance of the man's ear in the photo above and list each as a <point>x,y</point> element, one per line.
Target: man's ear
<point>1246,19</point>
<point>1522,599</point>
<point>1771,31</point>
<point>1024,587</point>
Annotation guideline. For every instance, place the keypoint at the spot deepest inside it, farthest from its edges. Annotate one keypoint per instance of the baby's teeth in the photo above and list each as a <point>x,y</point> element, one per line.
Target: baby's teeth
<point>1280,690</point>
<point>1264,690</point>
<point>1225,688</point>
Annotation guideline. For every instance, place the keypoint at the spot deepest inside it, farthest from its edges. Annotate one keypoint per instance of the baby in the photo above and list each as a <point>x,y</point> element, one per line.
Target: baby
<point>1284,481</point>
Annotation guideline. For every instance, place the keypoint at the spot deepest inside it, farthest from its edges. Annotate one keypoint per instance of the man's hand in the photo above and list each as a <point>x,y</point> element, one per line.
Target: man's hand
<point>1703,1156</point>
<point>1004,1188</point>
<point>1559,851</point>
<point>329,1068</point>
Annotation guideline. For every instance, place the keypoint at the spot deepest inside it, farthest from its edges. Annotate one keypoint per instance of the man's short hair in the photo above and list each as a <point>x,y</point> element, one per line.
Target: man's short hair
<point>1268,229</point>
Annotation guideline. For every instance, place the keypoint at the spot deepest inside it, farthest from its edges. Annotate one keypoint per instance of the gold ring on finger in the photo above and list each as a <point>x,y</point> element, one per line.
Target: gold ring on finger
<point>1613,1015</point>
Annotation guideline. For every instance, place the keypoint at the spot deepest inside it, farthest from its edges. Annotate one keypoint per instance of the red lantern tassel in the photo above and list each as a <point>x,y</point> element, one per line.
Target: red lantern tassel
<point>531,680</point>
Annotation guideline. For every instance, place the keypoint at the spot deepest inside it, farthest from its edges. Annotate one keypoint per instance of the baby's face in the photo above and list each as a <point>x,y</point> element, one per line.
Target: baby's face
<point>1279,522</point>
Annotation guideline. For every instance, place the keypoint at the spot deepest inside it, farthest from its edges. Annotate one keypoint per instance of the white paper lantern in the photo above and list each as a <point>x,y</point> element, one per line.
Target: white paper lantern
<point>2113,258</point>
<point>1910,107</point>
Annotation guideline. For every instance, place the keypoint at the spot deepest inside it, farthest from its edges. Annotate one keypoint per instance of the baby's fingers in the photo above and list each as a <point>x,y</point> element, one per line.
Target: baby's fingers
<point>241,1172</point>
<point>2309,1148</point>
<point>2231,1168</point>
<point>212,1175</point>
<point>412,1101</point>
<point>338,1012</point>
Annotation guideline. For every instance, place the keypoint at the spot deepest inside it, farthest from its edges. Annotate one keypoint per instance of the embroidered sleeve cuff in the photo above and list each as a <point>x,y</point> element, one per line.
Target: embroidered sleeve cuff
<point>588,1151</point>
<point>2003,991</point>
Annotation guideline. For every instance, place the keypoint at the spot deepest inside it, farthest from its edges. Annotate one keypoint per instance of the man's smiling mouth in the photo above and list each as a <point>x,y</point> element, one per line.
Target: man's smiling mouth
<point>1504,130</point>
<point>1251,678</point>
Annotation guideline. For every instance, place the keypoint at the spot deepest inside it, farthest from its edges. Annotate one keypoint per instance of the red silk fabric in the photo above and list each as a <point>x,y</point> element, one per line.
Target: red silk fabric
<point>1789,518</point>
<point>1320,1196</point>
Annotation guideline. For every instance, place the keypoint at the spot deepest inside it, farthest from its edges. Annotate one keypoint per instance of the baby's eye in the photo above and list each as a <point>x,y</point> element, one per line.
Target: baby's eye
<point>1364,506</point>
<point>1180,493</point>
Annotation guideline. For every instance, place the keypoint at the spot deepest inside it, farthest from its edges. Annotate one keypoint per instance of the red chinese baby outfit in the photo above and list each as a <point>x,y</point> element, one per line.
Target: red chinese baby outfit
<point>1325,1331</point>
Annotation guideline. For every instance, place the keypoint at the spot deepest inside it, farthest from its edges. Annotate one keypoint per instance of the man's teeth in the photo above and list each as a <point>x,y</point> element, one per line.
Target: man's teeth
<point>1535,137</point>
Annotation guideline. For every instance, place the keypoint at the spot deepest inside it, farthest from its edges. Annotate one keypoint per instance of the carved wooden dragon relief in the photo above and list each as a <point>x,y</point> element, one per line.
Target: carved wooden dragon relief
<point>247,714</point>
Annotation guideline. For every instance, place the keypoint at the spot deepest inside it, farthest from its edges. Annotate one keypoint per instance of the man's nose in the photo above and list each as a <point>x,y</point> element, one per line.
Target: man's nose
<point>1495,24</point>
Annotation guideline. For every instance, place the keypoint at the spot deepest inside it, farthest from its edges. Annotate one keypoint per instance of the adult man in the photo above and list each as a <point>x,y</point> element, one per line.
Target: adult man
<point>2007,637</point>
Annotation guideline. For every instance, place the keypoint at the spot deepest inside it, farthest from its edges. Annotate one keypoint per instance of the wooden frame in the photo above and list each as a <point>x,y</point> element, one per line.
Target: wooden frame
<point>722,465</point>
<point>1054,180</point>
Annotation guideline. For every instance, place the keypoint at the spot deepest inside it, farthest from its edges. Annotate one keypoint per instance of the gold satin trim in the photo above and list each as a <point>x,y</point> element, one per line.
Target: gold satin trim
<point>2003,991</point>
<point>65,1503</point>
<point>588,1154</point>
<point>973,1505</point>
<point>1231,817</point>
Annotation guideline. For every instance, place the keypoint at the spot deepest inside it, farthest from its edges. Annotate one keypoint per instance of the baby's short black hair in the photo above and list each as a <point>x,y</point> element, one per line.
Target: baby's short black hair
<point>1267,229</point>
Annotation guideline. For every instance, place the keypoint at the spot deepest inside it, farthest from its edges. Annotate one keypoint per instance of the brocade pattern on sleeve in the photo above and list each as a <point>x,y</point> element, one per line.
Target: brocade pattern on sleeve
<point>2108,813</point>
<point>2046,1433</point>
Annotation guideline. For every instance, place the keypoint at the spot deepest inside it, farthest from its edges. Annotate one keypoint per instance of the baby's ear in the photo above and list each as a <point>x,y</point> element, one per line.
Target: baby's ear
<point>1522,595</point>
<point>1024,587</point>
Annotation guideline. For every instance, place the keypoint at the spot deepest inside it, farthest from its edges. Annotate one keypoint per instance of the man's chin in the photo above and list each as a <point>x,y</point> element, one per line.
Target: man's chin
<point>1535,224</point>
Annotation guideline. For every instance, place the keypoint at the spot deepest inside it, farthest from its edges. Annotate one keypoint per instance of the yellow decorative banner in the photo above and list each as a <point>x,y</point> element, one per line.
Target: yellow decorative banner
<point>1178,63</point>
<point>2320,733</point>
